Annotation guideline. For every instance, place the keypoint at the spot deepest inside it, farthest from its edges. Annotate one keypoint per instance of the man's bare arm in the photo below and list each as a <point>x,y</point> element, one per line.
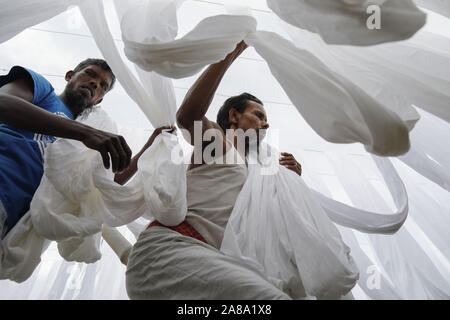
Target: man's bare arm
<point>199,97</point>
<point>17,111</point>
<point>123,177</point>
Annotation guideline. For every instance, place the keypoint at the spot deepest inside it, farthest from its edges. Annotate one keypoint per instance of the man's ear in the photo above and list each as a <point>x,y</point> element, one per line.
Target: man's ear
<point>233,116</point>
<point>69,75</point>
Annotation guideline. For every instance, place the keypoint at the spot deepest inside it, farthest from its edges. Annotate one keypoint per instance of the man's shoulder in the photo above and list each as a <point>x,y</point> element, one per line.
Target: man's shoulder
<point>38,84</point>
<point>14,74</point>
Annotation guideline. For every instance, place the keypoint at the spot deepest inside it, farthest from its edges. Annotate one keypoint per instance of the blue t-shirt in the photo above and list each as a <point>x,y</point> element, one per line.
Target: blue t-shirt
<point>21,152</point>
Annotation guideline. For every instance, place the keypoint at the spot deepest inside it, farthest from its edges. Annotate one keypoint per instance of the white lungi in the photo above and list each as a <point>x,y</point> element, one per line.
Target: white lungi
<point>164,264</point>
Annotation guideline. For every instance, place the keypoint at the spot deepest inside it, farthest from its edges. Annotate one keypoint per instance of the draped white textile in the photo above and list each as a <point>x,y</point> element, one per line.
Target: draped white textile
<point>277,225</point>
<point>367,68</point>
<point>366,221</point>
<point>439,6</point>
<point>345,21</point>
<point>336,109</point>
<point>165,199</point>
<point>64,209</point>
<point>18,15</point>
<point>429,159</point>
<point>70,206</point>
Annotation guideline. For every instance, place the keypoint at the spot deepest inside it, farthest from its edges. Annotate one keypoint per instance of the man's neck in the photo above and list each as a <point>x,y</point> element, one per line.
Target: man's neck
<point>75,109</point>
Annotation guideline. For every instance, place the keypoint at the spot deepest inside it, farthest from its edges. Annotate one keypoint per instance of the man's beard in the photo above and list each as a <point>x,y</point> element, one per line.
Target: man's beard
<point>77,102</point>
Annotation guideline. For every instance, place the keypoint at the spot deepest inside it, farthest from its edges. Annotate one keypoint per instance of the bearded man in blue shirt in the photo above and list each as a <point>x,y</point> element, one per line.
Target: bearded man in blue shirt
<point>32,115</point>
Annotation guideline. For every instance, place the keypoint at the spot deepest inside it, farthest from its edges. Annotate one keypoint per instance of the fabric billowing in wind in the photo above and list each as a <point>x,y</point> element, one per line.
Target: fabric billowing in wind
<point>346,21</point>
<point>155,96</point>
<point>395,74</point>
<point>313,88</point>
<point>16,16</point>
<point>337,109</point>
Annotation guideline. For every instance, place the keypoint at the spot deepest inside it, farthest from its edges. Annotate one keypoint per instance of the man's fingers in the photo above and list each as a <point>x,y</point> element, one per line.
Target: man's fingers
<point>170,128</point>
<point>127,150</point>
<point>105,157</point>
<point>122,156</point>
<point>286,154</point>
<point>288,162</point>
<point>114,155</point>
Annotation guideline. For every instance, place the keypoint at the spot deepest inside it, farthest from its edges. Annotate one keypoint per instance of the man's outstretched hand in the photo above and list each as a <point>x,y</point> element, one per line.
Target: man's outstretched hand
<point>289,162</point>
<point>157,132</point>
<point>240,47</point>
<point>122,177</point>
<point>110,146</point>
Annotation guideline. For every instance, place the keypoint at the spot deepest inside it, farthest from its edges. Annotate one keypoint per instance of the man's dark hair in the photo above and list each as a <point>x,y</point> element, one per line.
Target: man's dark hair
<point>239,103</point>
<point>96,62</point>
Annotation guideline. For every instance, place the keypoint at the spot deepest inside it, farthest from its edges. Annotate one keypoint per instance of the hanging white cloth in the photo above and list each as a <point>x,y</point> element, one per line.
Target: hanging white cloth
<point>438,6</point>
<point>336,109</point>
<point>16,16</point>
<point>426,155</point>
<point>278,226</point>
<point>366,221</point>
<point>346,21</point>
<point>168,58</point>
<point>424,55</point>
<point>365,134</point>
<point>408,267</point>
<point>71,205</point>
<point>65,208</point>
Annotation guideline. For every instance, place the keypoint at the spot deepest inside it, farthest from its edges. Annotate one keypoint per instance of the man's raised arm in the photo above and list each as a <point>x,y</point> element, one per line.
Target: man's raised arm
<point>199,97</point>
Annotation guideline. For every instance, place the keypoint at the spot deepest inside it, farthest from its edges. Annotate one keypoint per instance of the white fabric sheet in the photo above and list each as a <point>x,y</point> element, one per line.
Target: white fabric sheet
<point>165,199</point>
<point>345,21</point>
<point>367,221</point>
<point>336,109</point>
<point>439,6</point>
<point>426,56</point>
<point>16,16</point>
<point>277,225</point>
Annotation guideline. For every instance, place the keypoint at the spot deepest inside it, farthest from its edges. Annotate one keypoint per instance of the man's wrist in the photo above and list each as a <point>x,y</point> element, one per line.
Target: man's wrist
<point>81,132</point>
